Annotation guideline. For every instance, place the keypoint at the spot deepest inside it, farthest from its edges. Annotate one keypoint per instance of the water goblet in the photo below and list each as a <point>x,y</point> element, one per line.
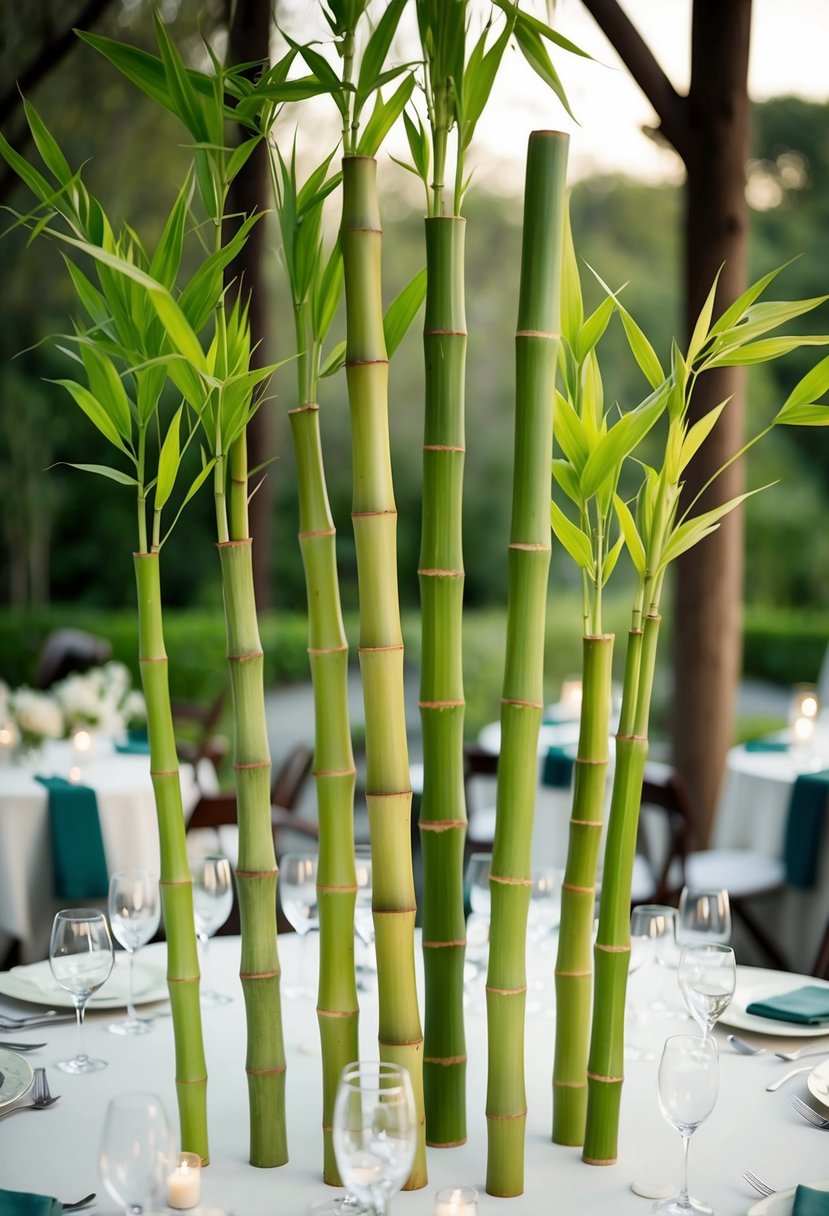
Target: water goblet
<point>657,923</point>
<point>134,915</point>
<point>704,916</point>
<point>687,1090</point>
<point>375,1131</point>
<point>81,958</point>
<point>137,1151</point>
<point>212,904</point>
<point>298,892</point>
<point>707,978</point>
<point>545,904</point>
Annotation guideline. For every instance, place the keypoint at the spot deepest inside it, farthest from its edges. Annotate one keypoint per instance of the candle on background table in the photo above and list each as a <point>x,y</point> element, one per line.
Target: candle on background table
<point>184,1184</point>
<point>570,696</point>
<point>457,1201</point>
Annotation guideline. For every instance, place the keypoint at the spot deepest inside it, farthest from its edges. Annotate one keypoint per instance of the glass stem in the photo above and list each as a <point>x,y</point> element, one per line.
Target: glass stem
<point>203,941</point>
<point>80,1006</point>
<point>683,1194</point>
<point>131,1014</point>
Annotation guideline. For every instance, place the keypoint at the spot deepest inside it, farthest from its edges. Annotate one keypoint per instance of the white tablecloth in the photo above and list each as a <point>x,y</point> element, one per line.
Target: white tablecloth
<point>752,814</point>
<point>56,1150</point>
<point>126,808</point>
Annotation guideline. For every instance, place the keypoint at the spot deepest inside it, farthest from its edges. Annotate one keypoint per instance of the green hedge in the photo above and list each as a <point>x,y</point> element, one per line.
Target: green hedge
<point>784,645</point>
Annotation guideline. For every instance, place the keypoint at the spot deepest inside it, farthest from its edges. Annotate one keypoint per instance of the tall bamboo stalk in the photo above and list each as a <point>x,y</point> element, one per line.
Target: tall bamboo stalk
<point>536,346</point>
<point>176,883</point>
<point>443,810</point>
<point>374,514</point>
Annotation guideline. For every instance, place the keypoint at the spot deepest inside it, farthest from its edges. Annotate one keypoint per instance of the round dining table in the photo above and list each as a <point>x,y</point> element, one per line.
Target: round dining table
<point>55,1151</point>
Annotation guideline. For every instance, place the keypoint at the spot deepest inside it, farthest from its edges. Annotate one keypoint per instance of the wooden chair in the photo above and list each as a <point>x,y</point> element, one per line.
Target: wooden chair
<point>69,650</point>
<point>201,721</point>
<point>480,771</point>
<point>291,776</point>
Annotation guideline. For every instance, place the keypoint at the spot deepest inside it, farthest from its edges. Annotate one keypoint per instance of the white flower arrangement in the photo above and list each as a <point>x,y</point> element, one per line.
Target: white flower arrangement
<point>38,716</point>
<point>101,699</point>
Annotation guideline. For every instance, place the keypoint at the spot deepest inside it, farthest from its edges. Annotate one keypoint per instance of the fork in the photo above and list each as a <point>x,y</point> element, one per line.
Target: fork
<point>759,1185</point>
<point>808,1112</point>
<point>20,1046</point>
<point>42,1097</point>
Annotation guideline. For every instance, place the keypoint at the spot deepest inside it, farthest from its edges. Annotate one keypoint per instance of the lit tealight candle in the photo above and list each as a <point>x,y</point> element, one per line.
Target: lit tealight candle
<point>75,775</point>
<point>457,1201</point>
<point>184,1184</point>
<point>804,729</point>
<point>571,694</point>
<point>82,741</point>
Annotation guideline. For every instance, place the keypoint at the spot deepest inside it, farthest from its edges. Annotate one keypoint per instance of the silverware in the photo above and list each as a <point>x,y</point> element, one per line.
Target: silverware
<point>20,1046</point>
<point>79,1203</point>
<point>808,1112</point>
<point>41,1096</point>
<point>759,1185</point>
<point>13,1020</point>
<point>787,1076</point>
<point>800,1054</point>
<point>35,1023</point>
<point>743,1048</point>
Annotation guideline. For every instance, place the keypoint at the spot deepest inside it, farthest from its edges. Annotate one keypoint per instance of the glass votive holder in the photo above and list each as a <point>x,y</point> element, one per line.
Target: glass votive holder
<point>804,703</point>
<point>456,1201</point>
<point>184,1184</point>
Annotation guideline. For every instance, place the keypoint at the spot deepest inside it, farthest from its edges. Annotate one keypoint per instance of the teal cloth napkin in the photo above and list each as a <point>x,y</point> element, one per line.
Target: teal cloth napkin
<point>137,744</point>
<point>810,1202</point>
<point>808,1006</point>
<point>804,828</point>
<point>79,866</point>
<point>767,745</point>
<point>558,767</point>
<point>24,1203</point>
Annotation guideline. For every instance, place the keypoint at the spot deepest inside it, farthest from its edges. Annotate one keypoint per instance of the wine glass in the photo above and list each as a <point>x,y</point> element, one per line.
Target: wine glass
<point>707,978</point>
<point>636,1013</point>
<point>298,892</point>
<point>687,1089</point>
<point>134,915</point>
<point>80,956</point>
<point>375,1131</point>
<point>545,903</point>
<point>137,1150</point>
<point>212,904</point>
<point>363,916</point>
<point>704,916</point>
<point>657,923</point>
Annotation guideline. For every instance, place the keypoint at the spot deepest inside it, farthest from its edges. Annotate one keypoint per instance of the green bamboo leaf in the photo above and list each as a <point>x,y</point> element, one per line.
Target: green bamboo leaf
<point>762,318</point>
<point>546,31</point>
<point>201,295</point>
<point>765,350</point>
<point>47,145</point>
<point>535,53</point>
<point>572,305</point>
<point>322,72</point>
<point>593,328</point>
<point>240,156</point>
<point>178,328</point>
<point>611,558</point>
<point>36,182</point>
<point>592,400</point>
<point>641,349</point>
<point>478,80</point>
<point>805,415</point>
<point>631,535</point>
<point>103,470</point>
<point>94,411</point>
<point>328,291</point>
<point>569,432</point>
<point>186,102</point>
<point>383,118</point>
<point>376,51</point>
<point>624,437</point>
<point>733,313</point>
<point>811,388</point>
<point>692,531</point>
<point>106,386</point>
<point>565,476</point>
<point>199,480</point>
<point>572,539</point>
<point>698,433</point>
<point>700,335</point>
<point>418,146</point>
<point>168,461</point>
<point>334,360</point>
<point>87,293</point>
<point>167,257</point>
<point>402,311</point>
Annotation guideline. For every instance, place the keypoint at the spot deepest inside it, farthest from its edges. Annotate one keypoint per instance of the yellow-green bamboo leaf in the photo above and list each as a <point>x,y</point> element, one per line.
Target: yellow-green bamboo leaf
<point>572,306</point>
<point>698,433</point>
<point>94,411</point>
<point>593,328</point>
<point>565,476</point>
<point>569,431</point>
<point>700,335</point>
<point>47,145</point>
<point>573,539</point>
<point>629,531</point>
<point>611,558</point>
<point>806,415</point>
<point>689,533</point>
<point>168,461</point>
<point>808,390</point>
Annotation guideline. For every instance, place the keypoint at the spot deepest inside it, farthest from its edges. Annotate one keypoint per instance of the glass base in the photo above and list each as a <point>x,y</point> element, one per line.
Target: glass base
<point>679,1206</point>
<point>80,1064</point>
<point>131,1026</point>
<point>338,1205</point>
<point>209,1000</point>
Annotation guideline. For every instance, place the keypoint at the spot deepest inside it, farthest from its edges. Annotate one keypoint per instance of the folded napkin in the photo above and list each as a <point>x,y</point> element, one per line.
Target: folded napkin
<point>808,1201</point>
<point>24,1203</point>
<point>804,828</point>
<point>136,744</point>
<point>767,745</point>
<point>79,866</point>
<point>808,1006</point>
<point>558,767</point>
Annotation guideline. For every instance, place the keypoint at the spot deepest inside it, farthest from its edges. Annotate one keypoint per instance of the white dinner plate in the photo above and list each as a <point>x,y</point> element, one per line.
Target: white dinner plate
<point>755,984</point>
<point>36,983</point>
<point>818,1082</point>
<point>781,1202</point>
<point>17,1077</point>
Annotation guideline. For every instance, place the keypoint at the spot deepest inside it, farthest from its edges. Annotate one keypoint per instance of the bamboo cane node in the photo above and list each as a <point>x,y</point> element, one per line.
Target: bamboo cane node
<point>506,991</point>
<point>454,945</point>
<point>337,1013</point>
<point>569,886</point>
<point>238,481</point>
<point>335,772</point>
<point>569,1084</point>
<point>445,1143</point>
<point>327,649</point>
<point>573,975</point>
<point>389,793</point>
<point>158,658</point>
<point>260,975</point>
<point>330,887</point>
<point>373,514</point>
<point>317,532</point>
<point>365,363</point>
<point>401,1042</point>
<point>630,739</point>
<point>508,881</point>
<point>586,823</point>
<point>521,704</point>
<point>597,1076</point>
<point>590,760</point>
<point>191,1080</point>
<point>163,772</point>
<point>241,768</point>
<point>441,825</point>
<point>256,873</point>
<point>521,1114</point>
<point>309,407</point>
<point>613,949</point>
<point>445,1061</point>
<point>536,333</point>
<point>442,447</point>
<point>359,227</point>
<point>235,544</point>
<point>245,658</point>
<point>266,1072</point>
<point>381,649</point>
<point>175,882</point>
<point>183,979</point>
<point>441,704</point>
<point>526,546</point>
<point>435,573</point>
<point>444,333</point>
<point>599,1160</point>
<point>394,911</point>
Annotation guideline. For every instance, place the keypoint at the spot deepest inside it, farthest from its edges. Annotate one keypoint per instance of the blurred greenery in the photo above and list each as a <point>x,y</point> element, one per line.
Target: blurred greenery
<point>68,538</point>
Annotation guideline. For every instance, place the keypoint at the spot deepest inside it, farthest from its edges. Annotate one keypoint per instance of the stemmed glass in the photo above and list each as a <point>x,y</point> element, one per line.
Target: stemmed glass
<point>657,923</point>
<point>476,880</point>
<point>212,904</point>
<point>704,916</point>
<point>375,1131</point>
<point>298,891</point>
<point>134,915</point>
<point>81,958</point>
<point>707,978</point>
<point>137,1150</point>
<point>687,1089</point>
<point>363,916</point>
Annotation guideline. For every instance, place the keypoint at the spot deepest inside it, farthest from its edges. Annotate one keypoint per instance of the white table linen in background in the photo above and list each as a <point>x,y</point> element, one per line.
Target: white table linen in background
<point>126,809</point>
<point>57,1150</point>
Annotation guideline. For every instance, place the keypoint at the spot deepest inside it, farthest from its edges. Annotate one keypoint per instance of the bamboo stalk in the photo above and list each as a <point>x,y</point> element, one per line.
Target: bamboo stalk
<point>443,808</point>
<point>574,971</point>
<point>176,884</point>
<point>374,514</point>
<point>536,346</point>
<point>337,1009</point>
<point>256,871</point>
